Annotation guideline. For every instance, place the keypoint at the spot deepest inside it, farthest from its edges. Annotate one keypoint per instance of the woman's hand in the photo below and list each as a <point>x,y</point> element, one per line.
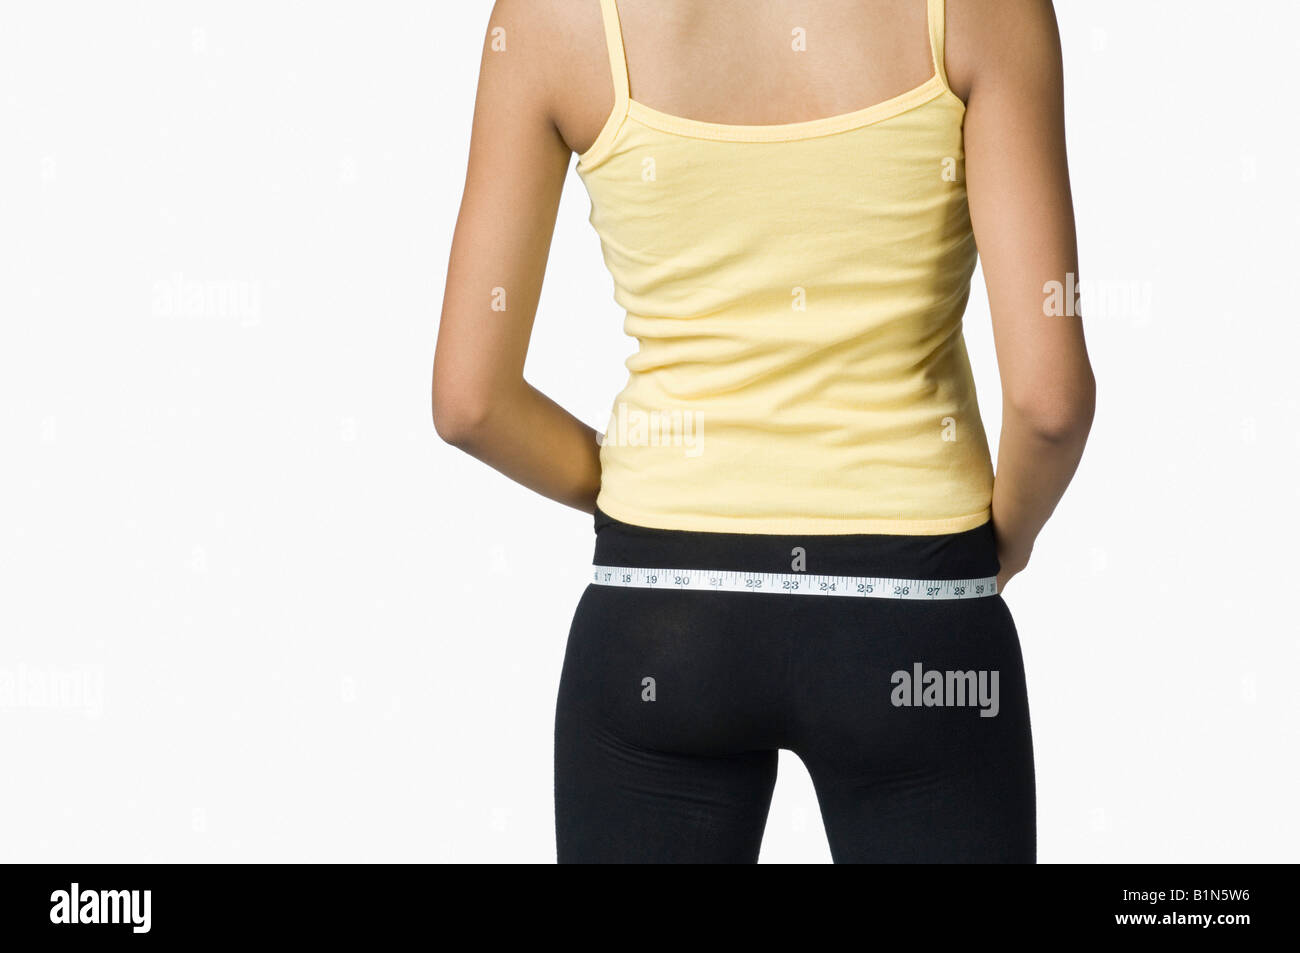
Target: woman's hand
<point>1010,563</point>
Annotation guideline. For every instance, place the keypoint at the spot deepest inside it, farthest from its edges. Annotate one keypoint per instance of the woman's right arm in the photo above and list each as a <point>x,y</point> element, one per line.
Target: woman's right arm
<point>1005,61</point>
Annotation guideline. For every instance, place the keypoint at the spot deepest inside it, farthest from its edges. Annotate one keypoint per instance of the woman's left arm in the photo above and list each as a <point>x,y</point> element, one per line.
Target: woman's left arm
<point>518,163</point>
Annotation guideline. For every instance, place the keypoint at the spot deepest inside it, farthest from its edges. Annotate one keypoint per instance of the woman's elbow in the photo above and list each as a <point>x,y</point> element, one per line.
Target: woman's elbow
<point>459,417</point>
<point>1058,413</point>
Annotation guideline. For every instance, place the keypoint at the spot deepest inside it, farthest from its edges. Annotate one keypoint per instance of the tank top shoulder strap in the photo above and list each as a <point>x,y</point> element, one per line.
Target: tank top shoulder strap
<point>937,18</point>
<point>617,55</point>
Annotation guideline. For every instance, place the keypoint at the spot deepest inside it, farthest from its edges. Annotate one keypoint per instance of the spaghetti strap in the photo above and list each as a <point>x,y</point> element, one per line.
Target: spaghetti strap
<point>936,17</point>
<point>617,55</point>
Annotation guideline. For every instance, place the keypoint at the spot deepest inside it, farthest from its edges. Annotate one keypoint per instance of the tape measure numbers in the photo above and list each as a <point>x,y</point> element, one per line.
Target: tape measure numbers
<point>794,584</point>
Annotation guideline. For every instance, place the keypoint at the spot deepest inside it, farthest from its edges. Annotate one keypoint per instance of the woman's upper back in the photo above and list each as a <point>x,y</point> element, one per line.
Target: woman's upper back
<point>761,62</point>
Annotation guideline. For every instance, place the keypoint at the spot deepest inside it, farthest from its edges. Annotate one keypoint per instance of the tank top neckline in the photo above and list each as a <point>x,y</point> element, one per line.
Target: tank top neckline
<point>789,131</point>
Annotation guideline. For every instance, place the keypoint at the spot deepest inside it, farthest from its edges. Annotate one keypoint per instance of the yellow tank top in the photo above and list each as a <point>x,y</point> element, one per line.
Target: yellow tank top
<point>797,294</point>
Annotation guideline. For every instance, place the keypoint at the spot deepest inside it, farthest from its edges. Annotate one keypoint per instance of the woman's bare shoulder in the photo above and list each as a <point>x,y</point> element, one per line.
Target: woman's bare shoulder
<point>560,46</point>
<point>988,36</point>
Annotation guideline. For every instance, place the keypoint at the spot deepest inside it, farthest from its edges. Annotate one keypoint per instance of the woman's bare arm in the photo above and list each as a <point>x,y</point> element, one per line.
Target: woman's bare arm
<point>1005,60</point>
<point>517,166</point>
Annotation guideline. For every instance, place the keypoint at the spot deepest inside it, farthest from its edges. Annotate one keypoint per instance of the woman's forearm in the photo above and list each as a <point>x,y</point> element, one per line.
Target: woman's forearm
<point>532,440</point>
<point>1035,465</point>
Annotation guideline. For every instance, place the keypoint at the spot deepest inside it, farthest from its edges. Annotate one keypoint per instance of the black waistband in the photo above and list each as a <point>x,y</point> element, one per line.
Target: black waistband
<point>966,555</point>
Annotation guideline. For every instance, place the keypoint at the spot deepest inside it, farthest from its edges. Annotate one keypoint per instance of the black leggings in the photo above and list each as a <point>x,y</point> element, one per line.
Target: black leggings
<point>673,705</point>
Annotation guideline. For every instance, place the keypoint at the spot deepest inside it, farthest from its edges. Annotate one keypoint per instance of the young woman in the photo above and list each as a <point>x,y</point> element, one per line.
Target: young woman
<point>789,195</point>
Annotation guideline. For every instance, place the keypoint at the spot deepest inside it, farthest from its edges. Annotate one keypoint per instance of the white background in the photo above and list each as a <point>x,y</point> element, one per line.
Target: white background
<point>249,603</point>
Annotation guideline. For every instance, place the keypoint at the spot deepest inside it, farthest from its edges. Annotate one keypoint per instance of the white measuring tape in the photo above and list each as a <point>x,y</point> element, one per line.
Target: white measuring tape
<point>794,584</point>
